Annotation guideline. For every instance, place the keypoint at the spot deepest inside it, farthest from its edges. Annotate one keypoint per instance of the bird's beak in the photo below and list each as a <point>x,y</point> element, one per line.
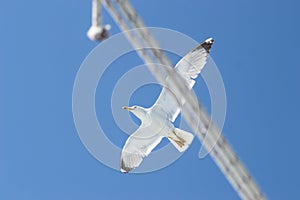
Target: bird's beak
<point>127,108</point>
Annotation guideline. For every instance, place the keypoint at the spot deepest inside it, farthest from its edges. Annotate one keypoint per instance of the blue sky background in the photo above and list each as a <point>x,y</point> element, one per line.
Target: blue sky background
<point>42,45</point>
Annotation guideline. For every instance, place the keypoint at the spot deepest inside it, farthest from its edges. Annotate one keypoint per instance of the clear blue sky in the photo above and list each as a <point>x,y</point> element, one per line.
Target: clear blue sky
<point>42,45</point>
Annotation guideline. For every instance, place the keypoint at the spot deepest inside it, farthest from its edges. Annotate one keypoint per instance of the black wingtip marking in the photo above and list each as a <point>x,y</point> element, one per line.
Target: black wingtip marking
<point>207,44</point>
<point>124,169</point>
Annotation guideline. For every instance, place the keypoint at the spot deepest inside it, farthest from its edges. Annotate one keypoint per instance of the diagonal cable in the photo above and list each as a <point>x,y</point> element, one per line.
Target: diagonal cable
<point>222,153</point>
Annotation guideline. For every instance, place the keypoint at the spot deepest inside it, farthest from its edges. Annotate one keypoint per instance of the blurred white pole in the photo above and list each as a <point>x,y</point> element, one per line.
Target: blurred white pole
<point>221,152</point>
<point>96,13</point>
<point>97,32</point>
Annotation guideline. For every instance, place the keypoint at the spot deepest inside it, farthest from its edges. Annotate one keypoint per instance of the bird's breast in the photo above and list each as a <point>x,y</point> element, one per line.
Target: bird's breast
<point>158,122</point>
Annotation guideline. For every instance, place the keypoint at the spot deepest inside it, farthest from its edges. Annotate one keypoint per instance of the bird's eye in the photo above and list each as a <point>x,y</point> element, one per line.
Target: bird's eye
<point>135,107</point>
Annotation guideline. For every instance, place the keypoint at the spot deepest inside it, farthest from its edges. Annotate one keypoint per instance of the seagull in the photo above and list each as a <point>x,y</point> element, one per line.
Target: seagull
<point>157,121</point>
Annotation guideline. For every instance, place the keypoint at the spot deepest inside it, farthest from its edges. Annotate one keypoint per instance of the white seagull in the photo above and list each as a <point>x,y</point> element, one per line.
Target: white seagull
<point>157,121</point>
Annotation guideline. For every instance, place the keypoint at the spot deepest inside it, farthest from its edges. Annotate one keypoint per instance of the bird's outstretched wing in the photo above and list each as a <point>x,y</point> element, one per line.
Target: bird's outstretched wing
<point>137,146</point>
<point>189,68</point>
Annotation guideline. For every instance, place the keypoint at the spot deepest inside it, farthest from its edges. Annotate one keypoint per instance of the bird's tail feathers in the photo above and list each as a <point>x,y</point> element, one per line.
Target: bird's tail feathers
<point>181,139</point>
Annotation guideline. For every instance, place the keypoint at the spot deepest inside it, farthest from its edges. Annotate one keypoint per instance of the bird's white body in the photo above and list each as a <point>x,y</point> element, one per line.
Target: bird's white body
<point>155,126</point>
<point>157,121</point>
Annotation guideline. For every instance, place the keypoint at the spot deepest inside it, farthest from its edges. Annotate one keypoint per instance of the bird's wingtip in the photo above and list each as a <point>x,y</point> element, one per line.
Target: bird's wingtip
<point>207,44</point>
<point>123,168</point>
<point>124,171</point>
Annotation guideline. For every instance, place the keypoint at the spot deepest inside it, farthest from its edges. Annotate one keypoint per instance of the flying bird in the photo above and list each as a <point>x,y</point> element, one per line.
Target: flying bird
<point>157,121</point>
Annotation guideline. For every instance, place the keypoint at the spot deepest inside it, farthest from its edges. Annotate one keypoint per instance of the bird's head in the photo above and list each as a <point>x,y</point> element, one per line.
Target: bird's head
<point>138,111</point>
